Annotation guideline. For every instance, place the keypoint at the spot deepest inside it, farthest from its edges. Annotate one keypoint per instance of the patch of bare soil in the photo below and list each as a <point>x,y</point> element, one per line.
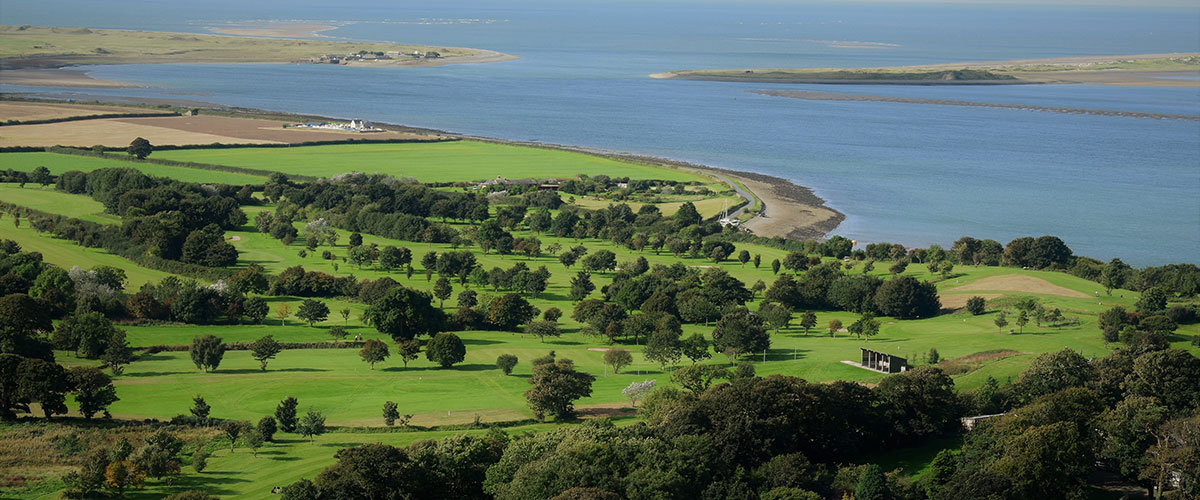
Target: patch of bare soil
<point>1017,283</point>
<point>959,300</point>
<point>24,111</point>
<point>605,410</point>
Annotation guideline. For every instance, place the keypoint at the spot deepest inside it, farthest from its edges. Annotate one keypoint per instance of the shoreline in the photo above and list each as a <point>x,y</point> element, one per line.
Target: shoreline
<point>804,214</point>
<point>1151,70</point>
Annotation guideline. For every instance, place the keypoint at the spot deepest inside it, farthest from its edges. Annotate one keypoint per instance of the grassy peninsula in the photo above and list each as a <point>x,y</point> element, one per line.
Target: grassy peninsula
<point>1140,69</point>
<point>51,47</point>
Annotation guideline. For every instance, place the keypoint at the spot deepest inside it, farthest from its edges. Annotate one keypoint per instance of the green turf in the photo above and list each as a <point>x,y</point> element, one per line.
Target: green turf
<point>427,162</point>
<point>59,163</point>
<point>48,200</point>
<point>66,254</point>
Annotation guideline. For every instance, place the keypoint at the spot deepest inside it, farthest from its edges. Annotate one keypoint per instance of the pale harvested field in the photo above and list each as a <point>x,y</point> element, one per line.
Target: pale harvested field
<point>1016,283</point>
<point>176,130</point>
<point>260,130</point>
<point>959,300</point>
<point>112,132</point>
<point>17,110</point>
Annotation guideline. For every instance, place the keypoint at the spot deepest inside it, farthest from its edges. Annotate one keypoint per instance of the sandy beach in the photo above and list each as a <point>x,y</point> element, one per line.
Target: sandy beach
<point>56,77</point>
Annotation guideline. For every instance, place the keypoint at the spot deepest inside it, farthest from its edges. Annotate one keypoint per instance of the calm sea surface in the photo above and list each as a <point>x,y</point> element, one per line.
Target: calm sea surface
<point>909,173</point>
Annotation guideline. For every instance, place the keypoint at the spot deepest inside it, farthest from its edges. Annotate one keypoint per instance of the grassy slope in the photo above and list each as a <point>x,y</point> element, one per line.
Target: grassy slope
<point>66,254</point>
<point>125,47</point>
<point>447,161</point>
<point>59,163</point>
<point>47,199</point>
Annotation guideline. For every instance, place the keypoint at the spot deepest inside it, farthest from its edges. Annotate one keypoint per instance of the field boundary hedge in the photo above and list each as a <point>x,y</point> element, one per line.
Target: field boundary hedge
<point>86,117</point>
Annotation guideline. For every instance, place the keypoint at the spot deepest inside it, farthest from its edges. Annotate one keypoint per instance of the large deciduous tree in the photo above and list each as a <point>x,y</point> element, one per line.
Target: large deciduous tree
<point>405,313</point>
<point>445,349</point>
<point>207,351</point>
<point>556,385</point>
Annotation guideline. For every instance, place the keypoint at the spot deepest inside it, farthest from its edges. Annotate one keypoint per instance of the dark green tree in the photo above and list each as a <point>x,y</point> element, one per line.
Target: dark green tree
<point>266,428</point>
<point>207,352</point>
<point>445,349</point>
<point>390,413</point>
<point>872,485</point>
<point>374,351</point>
<point>139,148</point>
<point>285,413</point>
<point>405,313</point>
<point>264,350</point>
<point>506,363</point>
<point>93,389</point>
<point>740,332</point>
<point>312,424</point>
<point>312,311</point>
<point>555,387</point>
<point>442,290</point>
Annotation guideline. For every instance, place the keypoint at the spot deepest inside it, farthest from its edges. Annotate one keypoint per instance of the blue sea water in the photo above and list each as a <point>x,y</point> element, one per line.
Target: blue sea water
<point>910,173</point>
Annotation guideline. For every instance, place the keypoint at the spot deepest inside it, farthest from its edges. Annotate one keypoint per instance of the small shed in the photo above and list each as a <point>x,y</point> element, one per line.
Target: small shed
<point>882,361</point>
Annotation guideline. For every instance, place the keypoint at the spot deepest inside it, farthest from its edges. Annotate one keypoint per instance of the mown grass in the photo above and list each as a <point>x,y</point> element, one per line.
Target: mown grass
<point>66,254</point>
<point>59,163</point>
<point>48,200</point>
<point>429,162</point>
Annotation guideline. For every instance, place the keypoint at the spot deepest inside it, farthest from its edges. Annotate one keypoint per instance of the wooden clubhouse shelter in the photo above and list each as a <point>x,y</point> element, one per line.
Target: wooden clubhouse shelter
<point>882,361</point>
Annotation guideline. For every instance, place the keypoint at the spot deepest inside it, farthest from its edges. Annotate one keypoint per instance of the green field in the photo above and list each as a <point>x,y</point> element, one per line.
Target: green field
<point>429,162</point>
<point>48,200</point>
<point>349,393</point>
<point>59,163</point>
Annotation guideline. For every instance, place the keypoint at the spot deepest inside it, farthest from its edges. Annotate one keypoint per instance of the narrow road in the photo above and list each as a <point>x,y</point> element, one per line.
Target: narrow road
<point>747,195</point>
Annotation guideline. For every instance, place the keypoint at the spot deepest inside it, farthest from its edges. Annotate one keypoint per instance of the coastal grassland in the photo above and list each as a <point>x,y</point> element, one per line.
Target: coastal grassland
<point>48,200</point>
<point>708,205</point>
<point>59,163</point>
<point>53,46</point>
<point>430,162</point>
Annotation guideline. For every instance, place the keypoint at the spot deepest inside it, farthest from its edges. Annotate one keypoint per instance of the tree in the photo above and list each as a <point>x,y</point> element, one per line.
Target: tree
<point>207,352</point>
<point>338,333</point>
<point>555,387</point>
<point>872,485</point>
<point>122,474</point>
<point>117,353</point>
<point>1114,275</point>
<point>254,440</point>
<point>866,326</point>
<point>638,390</point>
<point>285,413</point>
<point>390,413</point>
<point>617,358</point>
<point>740,332</point>
<point>905,297</point>
<point>506,363</point>
<point>581,286</point>
<point>695,348</point>
<point>446,349</point>
<point>256,309</point>
<point>442,290</point>
<point>834,326</point>
<point>87,334</point>
<point>312,311</point>
<point>233,429</point>
<point>1001,321</point>
<point>282,312</point>
<point>374,351</point>
<point>94,390</point>
<point>405,313</point>
<point>509,311</point>
<point>543,328</point>
<point>467,298</point>
<point>265,349</point>
<point>663,346</point>
<point>408,351</point>
<point>139,148</point>
<point>41,175</point>
<point>933,356</point>
<point>976,305</point>
<point>1153,301</point>
<point>899,266</point>
<point>311,425</point>
<point>601,260</point>
<point>1022,320</point>
<point>266,428</point>
<point>808,320</point>
<point>698,378</point>
<point>158,457</point>
<point>775,264</point>
<point>200,409</point>
<point>743,257</point>
<point>778,316</point>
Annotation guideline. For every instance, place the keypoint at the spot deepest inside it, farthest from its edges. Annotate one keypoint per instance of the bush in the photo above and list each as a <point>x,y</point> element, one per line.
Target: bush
<point>506,362</point>
<point>976,305</point>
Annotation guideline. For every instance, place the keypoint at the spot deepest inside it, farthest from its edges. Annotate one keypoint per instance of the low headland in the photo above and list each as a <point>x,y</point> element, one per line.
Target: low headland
<point>772,206</point>
<point>1128,70</point>
<point>32,55</point>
